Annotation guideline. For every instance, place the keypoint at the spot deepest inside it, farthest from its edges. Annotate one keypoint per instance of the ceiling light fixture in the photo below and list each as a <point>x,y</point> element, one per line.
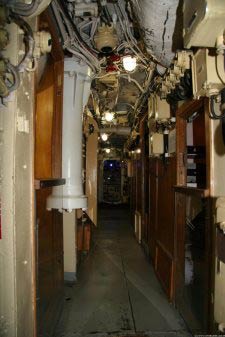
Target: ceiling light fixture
<point>109,116</point>
<point>104,137</point>
<point>107,150</point>
<point>129,63</point>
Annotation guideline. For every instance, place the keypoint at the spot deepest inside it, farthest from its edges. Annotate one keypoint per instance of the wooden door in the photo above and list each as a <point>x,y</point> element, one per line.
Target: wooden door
<point>48,162</point>
<point>193,219</point>
<point>165,229</point>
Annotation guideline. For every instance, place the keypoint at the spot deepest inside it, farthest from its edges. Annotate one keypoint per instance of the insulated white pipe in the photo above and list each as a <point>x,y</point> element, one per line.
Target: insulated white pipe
<point>119,130</point>
<point>158,19</point>
<point>76,92</point>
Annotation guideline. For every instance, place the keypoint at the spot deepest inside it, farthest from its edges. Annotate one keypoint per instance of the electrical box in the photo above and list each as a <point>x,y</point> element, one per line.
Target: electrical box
<point>129,169</point>
<point>208,73</point>
<point>162,108</point>
<point>151,104</point>
<point>156,144</point>
<point>203,22</point>
<point>87,9</point>
<point>158,108</point>
<point>172,141</point>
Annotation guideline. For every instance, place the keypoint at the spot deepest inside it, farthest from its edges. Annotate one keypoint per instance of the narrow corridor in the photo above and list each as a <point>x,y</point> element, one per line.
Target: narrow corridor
<point>117,292</point>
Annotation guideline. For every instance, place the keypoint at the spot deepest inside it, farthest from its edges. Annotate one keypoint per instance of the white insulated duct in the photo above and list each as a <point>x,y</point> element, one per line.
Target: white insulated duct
<point>119,130</point>
<point>76,91</point>
<point>161,25</point>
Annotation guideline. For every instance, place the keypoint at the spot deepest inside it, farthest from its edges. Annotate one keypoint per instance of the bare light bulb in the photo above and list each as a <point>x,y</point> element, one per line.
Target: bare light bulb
<point>109,116</point>
<point>129,63</point>
<point>104,137</point>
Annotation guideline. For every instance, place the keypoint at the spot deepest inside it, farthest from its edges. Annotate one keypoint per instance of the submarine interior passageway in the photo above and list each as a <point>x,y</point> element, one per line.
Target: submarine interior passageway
<point>112,161</point>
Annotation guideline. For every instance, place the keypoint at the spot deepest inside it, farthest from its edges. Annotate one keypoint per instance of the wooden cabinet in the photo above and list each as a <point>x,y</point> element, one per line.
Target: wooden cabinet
<point>193,224</point>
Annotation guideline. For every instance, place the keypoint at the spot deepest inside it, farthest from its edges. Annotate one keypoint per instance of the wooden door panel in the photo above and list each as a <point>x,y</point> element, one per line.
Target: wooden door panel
<point>164,266</point>
<point>43,124</point>
<point>153,197</point>
<point>165,225</point>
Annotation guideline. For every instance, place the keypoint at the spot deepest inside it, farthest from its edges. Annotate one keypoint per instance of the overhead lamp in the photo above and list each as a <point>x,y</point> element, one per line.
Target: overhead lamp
<point>129,63</point>
<point>109,116</point>
<point>107,150</point>
<point>104,137</point>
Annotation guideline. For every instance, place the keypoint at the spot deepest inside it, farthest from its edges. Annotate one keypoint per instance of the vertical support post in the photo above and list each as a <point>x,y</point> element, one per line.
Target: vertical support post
<point>71,196</point>
<point>69,243</point>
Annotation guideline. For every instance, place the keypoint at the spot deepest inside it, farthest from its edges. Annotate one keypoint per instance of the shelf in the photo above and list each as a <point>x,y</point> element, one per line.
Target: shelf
<point>201,192</point>
<point>48,182</point>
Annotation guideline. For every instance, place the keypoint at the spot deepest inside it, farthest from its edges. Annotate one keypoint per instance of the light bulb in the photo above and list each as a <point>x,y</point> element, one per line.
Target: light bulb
<point>107,150</point>
<point>104,137</point>
<point>129,63</point>
<point>109,116</point>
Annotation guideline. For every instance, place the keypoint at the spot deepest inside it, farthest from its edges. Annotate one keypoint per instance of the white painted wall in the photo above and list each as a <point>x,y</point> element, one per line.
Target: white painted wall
<point>218,194</point>
<point>17,297</point>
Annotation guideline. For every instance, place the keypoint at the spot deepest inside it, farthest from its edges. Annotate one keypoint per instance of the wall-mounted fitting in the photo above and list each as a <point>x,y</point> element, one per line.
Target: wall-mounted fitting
<point>221,225</point>
<point>43,43</point>
<point>156,144</point>
<point>221,327</point>
<point>158,108</point>
<point>106,38</point>
<point>203,21</point>
<point>4,38</point>
<point>85,9</point>
<point>183,59</point>
<point>220,43</point>
<point>208,75</point>
<point>181,63</point>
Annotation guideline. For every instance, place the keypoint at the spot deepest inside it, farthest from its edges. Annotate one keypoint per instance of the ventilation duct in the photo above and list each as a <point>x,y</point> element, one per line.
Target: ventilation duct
<point>158,20</point>
<point>76,92</point>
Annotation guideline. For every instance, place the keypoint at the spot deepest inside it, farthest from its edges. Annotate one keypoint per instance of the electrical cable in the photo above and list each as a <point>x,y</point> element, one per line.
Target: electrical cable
<point>107,15</point>
<point>29,40</point>
<point>25,9</point>
<point>71,41</point>
<point>129,37</point>
<point>85,45</point>
<point>217,70</point>
<point>130,79</point>
<point>16,76</point>
<point>213,114</point>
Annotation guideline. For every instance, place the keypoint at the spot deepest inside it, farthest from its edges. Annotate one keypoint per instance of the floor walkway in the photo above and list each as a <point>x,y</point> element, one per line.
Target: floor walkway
<point>117,293</point>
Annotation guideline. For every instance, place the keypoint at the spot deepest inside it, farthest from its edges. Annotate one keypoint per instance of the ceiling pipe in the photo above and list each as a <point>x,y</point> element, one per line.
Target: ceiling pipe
<point>119,130</point>
<point>159,20</point>
<point>76,91</point>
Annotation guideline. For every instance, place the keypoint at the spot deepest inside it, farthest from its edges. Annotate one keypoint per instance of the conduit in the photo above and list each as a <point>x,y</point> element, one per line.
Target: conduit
<point>119,130</point>
<point>75,96</point>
